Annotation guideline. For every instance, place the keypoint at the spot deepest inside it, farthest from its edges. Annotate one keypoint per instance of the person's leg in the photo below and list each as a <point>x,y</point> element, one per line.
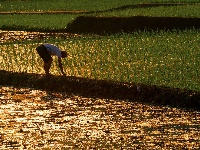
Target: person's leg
<point>44,54</point>
<point>47,66</point>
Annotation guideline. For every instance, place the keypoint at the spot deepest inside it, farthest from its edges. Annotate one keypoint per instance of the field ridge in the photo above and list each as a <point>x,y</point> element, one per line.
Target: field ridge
<point>152,94</point>
<point>110,25</point>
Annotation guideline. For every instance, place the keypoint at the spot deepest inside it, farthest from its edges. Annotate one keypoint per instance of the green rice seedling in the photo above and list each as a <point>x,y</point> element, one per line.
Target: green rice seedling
<point>163,58</point>
<point>157,58</point>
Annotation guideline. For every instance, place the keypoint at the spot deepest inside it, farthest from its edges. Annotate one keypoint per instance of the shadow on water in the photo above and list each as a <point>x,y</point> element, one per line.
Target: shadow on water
<point>152,94</point>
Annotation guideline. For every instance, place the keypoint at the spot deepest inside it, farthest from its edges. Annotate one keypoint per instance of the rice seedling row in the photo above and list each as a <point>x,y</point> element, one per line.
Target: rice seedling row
<point>159,58</point>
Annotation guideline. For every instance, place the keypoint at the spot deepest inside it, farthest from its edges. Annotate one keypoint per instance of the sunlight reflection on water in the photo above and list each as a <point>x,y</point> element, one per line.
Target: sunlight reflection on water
<point>34,119</point>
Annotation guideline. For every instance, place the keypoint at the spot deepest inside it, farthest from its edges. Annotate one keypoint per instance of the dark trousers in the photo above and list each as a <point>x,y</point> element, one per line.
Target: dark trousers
<point>44,54</point>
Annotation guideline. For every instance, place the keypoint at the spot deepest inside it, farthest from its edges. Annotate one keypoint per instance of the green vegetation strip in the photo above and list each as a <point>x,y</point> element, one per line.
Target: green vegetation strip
<point>35,22</point>
<point>88,5</point>
<point>146,9</point>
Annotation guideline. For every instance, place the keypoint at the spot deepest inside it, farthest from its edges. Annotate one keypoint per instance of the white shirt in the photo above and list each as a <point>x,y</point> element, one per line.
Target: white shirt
<point>53,50</point>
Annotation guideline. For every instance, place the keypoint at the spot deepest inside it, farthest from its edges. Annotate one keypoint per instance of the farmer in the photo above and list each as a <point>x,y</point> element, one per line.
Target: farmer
<point>46,51</point>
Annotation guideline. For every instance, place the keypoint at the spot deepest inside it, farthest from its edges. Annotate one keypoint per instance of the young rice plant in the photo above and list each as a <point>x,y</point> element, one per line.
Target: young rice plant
<point>156,58</point>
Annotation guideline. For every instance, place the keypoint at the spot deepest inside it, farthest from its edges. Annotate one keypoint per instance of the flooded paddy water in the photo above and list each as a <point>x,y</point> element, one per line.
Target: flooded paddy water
<point>10,36</point>
<point>37,119</point>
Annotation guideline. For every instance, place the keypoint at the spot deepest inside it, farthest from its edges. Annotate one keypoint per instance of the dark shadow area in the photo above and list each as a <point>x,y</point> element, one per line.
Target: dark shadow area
<point>111,25</point>
<point>151,94</point>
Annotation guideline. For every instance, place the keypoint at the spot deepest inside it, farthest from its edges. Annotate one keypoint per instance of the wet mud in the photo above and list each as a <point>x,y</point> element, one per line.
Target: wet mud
<point>39,119</point>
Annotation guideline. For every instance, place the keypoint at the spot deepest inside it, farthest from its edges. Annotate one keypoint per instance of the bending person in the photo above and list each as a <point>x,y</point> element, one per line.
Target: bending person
<point>46,51</point>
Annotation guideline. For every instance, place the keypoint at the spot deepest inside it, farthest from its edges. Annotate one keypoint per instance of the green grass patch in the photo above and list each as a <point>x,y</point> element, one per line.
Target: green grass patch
<point>156,58</point>
<point>35,22</point>
<point>161,11</point>
<point>43,5</point>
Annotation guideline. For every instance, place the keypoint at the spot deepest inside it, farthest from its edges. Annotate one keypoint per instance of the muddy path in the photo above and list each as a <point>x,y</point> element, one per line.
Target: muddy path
<point>38,119</point>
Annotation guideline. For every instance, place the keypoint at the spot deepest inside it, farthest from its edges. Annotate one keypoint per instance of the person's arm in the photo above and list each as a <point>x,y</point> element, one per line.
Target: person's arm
<point>60,65</point>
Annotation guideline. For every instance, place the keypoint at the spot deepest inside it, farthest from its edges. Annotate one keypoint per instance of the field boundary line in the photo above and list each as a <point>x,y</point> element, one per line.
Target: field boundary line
<point>45,12</point>
<point>152,94</point>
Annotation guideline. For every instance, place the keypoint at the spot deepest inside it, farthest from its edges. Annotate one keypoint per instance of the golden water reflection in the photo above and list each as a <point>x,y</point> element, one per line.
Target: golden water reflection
<point>35,119</point>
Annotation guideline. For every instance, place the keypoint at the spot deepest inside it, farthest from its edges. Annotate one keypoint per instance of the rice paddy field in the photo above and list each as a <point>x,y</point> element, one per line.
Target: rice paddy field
<point>164,58</point>
<point>10,20</point>
<point>39,119</point>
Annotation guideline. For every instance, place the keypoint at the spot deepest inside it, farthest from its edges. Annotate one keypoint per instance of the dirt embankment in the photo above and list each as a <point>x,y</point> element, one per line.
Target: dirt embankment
<point>110,25</point>
<point>105,89</point>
